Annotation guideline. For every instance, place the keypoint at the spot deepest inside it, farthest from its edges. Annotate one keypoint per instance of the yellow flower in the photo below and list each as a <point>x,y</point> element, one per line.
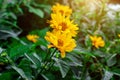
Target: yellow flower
<point>118,35</point>
<point>63,42</point>
<point>32,38</point>
<point>62,23</point>
<point>97,41</point>
<point>64,10</point>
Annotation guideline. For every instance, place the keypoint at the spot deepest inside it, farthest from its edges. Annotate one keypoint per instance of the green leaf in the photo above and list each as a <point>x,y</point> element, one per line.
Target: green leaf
<point>75,59</point>
<point>36,11</point>
<point>6,76</point>
<point>88,41</point>
<point>48,76</point>
<point>1,50</point>
<point>111,60</point>
<point>19,9</point>
<point>25,65</point>
<point>64,68</point>
<point>83,51</point>
<point>100,53</point>
<point>4,34</point>
<point>12,15</point>
<point>46,7</point>
<point>41,32</point>
<point>35,59</point>
<point>21,72</point>
<point>116,71</point>
<point>45,77</point>
<point>108,75</point>
<point>18,50</point>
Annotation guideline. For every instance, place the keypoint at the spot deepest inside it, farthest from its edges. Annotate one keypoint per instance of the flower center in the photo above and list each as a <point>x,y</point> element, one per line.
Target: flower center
<point>64,26</point>
<point>94,42</point>
<point>61,11</point>
<point>60,42</point>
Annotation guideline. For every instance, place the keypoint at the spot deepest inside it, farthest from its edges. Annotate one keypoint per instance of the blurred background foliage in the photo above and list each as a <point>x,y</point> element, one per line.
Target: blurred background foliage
<point>21,59</point>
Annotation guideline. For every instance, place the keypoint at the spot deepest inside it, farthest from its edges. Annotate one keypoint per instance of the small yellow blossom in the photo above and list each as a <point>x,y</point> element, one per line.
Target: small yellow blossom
<point>64,10</point>
<point>118,35</point>
<point>62,23</point>
<point>32,37</point>
<point>63,42</point>
<point>97,41</point>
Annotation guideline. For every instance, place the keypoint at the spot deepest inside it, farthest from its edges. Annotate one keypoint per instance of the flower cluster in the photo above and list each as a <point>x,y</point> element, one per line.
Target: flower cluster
<point>63,30</point>
<point>97,41</point>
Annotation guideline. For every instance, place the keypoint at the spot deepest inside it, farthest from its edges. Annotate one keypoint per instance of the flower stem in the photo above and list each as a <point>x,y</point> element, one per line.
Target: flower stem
<point>46,63</point>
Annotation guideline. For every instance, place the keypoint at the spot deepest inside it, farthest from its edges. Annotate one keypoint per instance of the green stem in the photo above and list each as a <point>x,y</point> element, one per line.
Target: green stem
<point>46,63</point>
<point>46,55</point>
<point>10,61</point>
<point>51,65</point>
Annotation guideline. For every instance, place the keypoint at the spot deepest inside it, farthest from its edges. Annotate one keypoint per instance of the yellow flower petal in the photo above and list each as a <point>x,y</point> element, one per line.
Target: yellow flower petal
<point>63,42</point>
<point>64,24</point>
<point>118,35</point>
<point>62,9</point>
<point>97,41</point>
<point>63,54</point>
<point>32,38</point>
